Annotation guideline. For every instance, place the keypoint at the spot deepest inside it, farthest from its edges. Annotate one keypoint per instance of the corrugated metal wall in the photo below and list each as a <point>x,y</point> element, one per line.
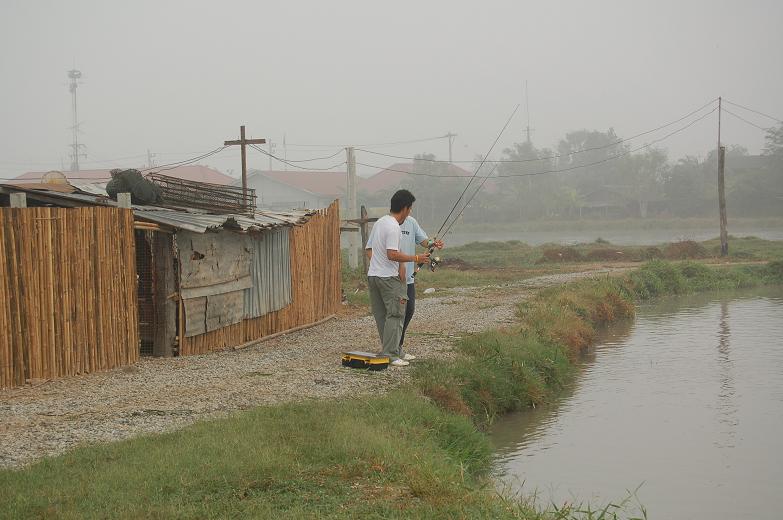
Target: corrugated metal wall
<point>215,271</point>
<point>270,270</point>
<point>315,287</point>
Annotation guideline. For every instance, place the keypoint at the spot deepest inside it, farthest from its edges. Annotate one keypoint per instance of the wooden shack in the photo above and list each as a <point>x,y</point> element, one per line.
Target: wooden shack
<point>86,285</point>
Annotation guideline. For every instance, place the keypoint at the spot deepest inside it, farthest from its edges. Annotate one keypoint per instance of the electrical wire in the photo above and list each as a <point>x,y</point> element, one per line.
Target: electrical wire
<point>68,177</point>
<point>467,203</point>
<point>289,163</point>
<point>777,120</point>
<point>745,120</point>
<point>555,156</point>
<point>388,143</point>
<point>163,167</point>
<point>326,158</point>
<point>508,121</point>
<point>171,166</point>
<point>614,157</point>
<point>454,220</point>
<point>561,170</point>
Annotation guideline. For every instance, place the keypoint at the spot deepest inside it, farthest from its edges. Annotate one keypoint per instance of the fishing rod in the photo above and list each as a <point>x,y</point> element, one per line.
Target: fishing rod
<point>471,198</point>
<point>435,261</point>
<point>478,169</point>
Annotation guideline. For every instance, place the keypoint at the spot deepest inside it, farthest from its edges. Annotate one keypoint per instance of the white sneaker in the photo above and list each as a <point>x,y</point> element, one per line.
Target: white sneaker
<point>399,363</point>
<point>408,357</point>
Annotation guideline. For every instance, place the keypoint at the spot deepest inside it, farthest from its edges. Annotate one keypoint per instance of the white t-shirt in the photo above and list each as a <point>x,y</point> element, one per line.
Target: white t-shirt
<point>412,234</point>
<point>386,235</point>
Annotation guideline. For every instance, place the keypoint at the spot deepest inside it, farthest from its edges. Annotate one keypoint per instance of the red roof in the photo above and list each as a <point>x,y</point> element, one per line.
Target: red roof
<point>391,177</point>
<point>332,184</point>
<point>194,172</point>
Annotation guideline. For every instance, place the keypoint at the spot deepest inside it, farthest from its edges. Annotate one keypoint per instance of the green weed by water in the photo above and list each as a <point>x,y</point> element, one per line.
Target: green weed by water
<point>416,452</point>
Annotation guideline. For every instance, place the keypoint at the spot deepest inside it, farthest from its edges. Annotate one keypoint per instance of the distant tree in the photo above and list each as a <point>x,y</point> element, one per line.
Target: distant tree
<point>647,175</point>
<point>774,142</point>
<point>434,196</point>
<point>528,189</point>
<point>683,187</point>
<point>592,151</point>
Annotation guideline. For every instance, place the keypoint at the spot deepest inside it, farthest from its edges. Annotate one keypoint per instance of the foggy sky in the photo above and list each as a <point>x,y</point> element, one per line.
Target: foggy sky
<point>180,77</point>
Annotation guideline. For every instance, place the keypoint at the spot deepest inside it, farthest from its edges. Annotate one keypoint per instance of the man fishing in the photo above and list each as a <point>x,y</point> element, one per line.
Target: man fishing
<point>386,275</point>
<point>411,234</point>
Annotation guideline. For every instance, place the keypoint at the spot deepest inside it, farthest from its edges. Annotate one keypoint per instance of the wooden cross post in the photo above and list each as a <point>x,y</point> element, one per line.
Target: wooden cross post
<point>364,227</point>
<point>242,142</point>
<point>360,225</point>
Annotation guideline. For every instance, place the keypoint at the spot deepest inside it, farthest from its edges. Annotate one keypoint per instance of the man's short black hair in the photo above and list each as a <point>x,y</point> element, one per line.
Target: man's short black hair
<point>402,199</point>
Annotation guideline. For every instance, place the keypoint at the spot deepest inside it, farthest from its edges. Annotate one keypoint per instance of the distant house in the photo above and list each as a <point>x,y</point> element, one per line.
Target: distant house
<point>297,189</point>
<point>603,202</point>
<point>388,179</point>
<point>193,172</point>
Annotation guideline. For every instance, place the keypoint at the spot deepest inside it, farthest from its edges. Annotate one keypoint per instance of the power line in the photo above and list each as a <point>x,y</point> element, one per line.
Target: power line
<point>555,156</point>
<point>454,220</point>
<point>388,143</point>
<point>290,163</point>
<point>561,170</point>
<point>508,121</point>
<point>326,158</point>
<point>777,120</point>
<point>617,156</point>
<point>68,177</point>
<point>745,120</point>
<point>171,166</point>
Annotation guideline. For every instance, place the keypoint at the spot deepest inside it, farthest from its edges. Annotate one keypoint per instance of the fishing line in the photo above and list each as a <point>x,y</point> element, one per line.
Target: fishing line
<point>508,121</point>
<point>471,198</point>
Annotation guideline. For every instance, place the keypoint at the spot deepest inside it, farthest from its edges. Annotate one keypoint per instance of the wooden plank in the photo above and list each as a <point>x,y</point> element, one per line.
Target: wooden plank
<point>6,374</point>
<point>164,286</point>
<point>18,311</point>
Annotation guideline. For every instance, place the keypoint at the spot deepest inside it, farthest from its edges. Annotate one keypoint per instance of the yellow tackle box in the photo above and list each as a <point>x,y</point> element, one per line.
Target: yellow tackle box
<point>365,360</point>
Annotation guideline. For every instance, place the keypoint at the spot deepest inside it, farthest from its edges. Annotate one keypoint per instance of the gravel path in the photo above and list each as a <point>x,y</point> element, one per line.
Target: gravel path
<point>158,395</point>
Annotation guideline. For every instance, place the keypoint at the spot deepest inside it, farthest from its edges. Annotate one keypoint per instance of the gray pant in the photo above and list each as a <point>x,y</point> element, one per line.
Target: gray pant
<point>389,313</point>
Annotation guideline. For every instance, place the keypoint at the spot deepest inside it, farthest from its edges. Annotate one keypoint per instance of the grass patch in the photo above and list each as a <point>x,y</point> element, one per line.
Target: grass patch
<point>397,456</point>
<point>518,255</point>
<point>618,224</point>
<point>417,452</point>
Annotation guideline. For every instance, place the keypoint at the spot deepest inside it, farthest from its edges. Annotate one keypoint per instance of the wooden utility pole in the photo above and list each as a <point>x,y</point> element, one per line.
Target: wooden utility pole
<point>271,148</point>
<point>450,137</point>
<point>242,142</point>
<point>363,227</point>
<point>352,188</point>
<point>724,235</point>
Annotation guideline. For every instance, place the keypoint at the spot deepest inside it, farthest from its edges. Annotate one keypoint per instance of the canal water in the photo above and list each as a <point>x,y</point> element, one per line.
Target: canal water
<point>685,403</point>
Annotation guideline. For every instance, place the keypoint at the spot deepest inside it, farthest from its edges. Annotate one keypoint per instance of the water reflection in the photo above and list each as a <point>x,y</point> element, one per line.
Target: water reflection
<point>688,400</point>
<point>727,407</point>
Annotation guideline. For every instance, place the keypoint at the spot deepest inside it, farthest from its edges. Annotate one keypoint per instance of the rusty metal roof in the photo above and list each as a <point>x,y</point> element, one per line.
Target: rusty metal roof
<point>191,219</point>
<point>201,222</point>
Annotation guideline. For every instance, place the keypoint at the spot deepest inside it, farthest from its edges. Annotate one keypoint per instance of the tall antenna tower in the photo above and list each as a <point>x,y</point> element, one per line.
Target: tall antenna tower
<point>527,111</point>
<point>74,75</point>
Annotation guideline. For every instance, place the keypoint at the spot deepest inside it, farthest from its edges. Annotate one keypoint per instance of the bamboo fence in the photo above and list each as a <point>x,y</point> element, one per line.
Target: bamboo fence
<point>67,292</point>
<point>316,290</point>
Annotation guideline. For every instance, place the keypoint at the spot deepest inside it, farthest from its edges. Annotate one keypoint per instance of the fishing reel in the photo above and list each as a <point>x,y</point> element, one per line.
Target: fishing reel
<point>434,262</point>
